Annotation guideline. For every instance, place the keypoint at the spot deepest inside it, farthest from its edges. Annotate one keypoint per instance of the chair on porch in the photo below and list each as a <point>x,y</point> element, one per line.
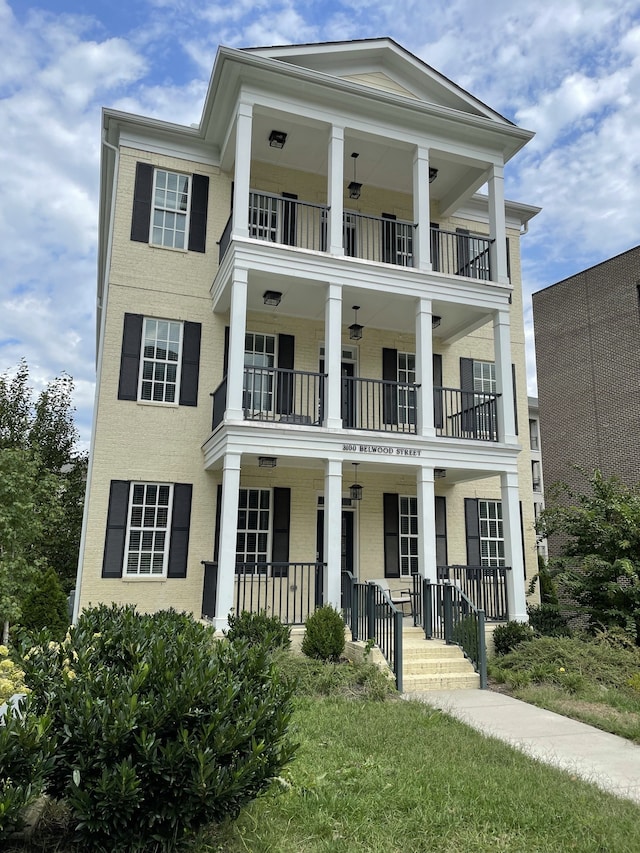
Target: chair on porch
<point>399,597</point>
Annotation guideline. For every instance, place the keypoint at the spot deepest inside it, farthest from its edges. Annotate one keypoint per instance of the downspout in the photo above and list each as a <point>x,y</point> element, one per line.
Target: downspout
<point>102,307</point>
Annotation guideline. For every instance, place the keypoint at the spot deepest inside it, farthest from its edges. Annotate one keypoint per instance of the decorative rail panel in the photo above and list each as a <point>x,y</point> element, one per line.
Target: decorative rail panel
<point>288,396</point>
<point>225,239</point>
<point>287,221</point>
<point>377,238</point>
<point>465,414</point>
<point>485,586</point>
<point>219,404</point>
<point>457,253</point>
<point>380,405</point>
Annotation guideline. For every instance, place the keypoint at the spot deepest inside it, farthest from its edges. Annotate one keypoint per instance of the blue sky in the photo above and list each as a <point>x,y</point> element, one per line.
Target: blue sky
<point>570,72</point>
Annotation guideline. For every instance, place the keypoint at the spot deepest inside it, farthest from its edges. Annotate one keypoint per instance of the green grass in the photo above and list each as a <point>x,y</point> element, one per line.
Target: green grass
<point>375,773</point>
<point>588,680</point>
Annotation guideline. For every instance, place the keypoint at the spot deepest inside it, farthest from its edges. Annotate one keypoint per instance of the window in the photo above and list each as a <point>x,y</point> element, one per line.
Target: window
<point>254,524</point>
<point>263,217</point>
<point>259,362</point>
<point>148,526</point>
<point>535,476</point>
<point>408,536</point>
<point>170,209</point>
<point>161,350</point>
<point>484,377</point>
<point>484,383</point>
<point>491,533</point>
<point>534,434</point>
<point>406,395</point>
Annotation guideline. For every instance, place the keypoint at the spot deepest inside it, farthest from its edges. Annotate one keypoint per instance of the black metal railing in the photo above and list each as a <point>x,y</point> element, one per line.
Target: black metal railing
<point>377,238</point>
<point>225,239</point>
<point>288,396</point>
<point>449,615</point>
<point>378,404</point>
<point>219,404</point>
<point>485,586</point>
<point>290,591</point>
<point>371,615</point>
<point>456,253</point>
<point>465,414</point>
<point>287,221</point>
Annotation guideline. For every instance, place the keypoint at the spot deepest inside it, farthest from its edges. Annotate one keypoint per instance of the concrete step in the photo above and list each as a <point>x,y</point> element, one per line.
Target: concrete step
<point>419,683</point>
<point>435,666</point>
<point>426,651</point>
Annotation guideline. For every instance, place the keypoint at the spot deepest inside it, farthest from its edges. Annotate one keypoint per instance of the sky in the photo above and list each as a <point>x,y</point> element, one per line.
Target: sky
<point>570,71</point>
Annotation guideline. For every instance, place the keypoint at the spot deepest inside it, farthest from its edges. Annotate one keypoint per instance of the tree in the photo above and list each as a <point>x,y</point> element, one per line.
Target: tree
<point>45,606</point>
<point>600,566</point>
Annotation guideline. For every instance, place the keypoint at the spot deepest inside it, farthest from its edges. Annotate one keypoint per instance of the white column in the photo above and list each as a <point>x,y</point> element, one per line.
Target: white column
<point>426,522</point>
<point>424,367</point>
<point>335,192</point>
<point>228,532</point>
<point>242,175</point>
<point>332,532</point>
<point>516,597</point>
<point>333,356</point>
<point>497,225</point>
<point>237,329</point>
<point>421,210</point>
<point>504,377</point>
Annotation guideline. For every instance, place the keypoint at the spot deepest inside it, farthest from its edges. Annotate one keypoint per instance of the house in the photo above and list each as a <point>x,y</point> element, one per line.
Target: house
<point>310,342</point>
<point>588,364</point>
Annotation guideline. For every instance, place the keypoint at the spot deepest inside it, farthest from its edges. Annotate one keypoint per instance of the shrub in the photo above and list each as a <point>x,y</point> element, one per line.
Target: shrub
<point>165,729</point>
<point>507,637</point>
<point>26,757</point>
<point>547,620</point>
<point>11,677</point>
<point>259,628</point>
<point>324,634</point>
<point>45,605</point>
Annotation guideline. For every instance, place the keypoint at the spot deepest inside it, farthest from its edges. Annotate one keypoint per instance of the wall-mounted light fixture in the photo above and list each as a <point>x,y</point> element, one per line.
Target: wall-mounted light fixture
<point>355,490</point>
<point>277,138</point>
<point>439,473</point>
<point>271,297</point>
<point>433,174</point>
<point>355,329</point>
<point>267,461</point>
<point>354,187</point>
<point>435,321</point>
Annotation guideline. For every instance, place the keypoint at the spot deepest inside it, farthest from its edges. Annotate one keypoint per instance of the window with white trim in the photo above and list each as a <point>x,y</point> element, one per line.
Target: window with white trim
<point>408,535</point>
<point>148,527</point>
<point>259,362</point>
<point>406,396</point>
<point>484,382</point>
<point>484,377</point>
<point>170,219</point>
<point>254,528</point>
<point>491,533</point>
<point>160,359</point>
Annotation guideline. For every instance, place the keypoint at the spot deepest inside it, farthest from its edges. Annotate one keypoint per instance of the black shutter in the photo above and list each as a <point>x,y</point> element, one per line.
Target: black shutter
<point>284,385</point>
<point>225,356</point>
<point>116,529</point>
<point>190,364</point>
<point>438,401</point>
<point>434,228</point>
<point>515,397</point>
<point>142,191</point>
<point>198,216</point>
<point>289,219</point>
<point>389,239</point>
<point>179,542</point>
<point>390,392</point>
<point>524,556</point>
<point>130,357</point>
<point>508,262</point>
<point>280,538</point>
<point>216,535</point>
<point>391,509</point>
<point>468,421</point>
<point>472,529</point>
<point>441,531</point>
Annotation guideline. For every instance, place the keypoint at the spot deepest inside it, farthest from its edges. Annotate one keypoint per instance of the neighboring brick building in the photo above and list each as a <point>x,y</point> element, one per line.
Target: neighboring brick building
<point>237,384</point>
<point>587,332</point>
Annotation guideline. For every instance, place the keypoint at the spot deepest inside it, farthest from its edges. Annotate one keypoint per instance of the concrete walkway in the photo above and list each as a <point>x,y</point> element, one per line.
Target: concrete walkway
<point>608,761</point>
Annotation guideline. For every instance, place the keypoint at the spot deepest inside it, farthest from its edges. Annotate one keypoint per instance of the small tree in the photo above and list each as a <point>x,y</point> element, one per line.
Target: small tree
<point>45,605</point>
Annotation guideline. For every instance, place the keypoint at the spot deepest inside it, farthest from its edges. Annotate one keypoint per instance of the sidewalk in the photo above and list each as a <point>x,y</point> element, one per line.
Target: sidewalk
<point>608,761</point>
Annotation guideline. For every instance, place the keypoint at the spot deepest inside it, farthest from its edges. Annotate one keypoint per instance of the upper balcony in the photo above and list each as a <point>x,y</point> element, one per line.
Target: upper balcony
<point>382,239</point>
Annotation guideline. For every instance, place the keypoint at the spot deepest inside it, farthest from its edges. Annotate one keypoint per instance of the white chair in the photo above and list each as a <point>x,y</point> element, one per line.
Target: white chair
<point>399,597</point>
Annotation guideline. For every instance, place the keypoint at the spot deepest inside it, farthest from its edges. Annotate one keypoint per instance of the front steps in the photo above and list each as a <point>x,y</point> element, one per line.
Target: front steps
<point>433,665</point>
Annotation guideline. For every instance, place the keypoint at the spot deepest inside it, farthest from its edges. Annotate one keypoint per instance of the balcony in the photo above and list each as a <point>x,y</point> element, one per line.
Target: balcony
<point>303,225</point>
<point>297,397</point>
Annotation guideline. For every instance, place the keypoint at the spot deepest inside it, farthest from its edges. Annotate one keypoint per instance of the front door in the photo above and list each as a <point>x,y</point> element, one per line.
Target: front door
<point>347,562</point>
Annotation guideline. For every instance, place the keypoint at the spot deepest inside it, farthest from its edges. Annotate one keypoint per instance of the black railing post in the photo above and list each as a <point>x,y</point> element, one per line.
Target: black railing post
<point>397,644</point>
<point>427,609</point>
<point>355,607</point>
<point>482,651</point>
<point>448,613</point>
<point>371,611</point>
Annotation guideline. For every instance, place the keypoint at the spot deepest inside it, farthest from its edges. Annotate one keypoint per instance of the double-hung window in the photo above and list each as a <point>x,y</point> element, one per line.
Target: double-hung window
<point>408,535</point>
<point>148,528</point>
<point>254,528</point>
<point>259,373</point>
<point>406,394</point>
<point>160,361</point>
<point>491,533</point>
<point>170,220</point>
<point>484,384</point>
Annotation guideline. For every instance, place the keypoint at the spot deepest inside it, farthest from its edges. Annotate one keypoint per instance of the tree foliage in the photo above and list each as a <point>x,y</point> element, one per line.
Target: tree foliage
<point>600,566</point>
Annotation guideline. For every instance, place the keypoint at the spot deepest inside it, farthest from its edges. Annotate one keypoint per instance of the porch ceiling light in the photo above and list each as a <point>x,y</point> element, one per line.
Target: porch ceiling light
<point>277,138</point>
<point>267,461</point>
<point>435,321</point>
<point>354,187</point>
<point>355,490</point>
<point>271,297</point>
<point>355,329</point>
<point>433,174</point>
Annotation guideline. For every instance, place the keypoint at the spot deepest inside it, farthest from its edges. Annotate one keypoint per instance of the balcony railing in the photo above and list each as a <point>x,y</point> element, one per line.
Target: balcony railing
<point>485,586</point>
<point>377,238</point>
<point>288,221</point>
<point>287,396</point>
<point>456,253</point>
<point>465,414</point>
<point>379,405</point>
